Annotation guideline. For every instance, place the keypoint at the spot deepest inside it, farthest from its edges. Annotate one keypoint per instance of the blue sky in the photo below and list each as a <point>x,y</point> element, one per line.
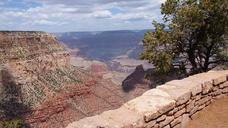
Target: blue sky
<point>78,15</point>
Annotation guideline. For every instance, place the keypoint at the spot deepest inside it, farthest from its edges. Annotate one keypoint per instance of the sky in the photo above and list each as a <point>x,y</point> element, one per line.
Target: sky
<point>78,15</point>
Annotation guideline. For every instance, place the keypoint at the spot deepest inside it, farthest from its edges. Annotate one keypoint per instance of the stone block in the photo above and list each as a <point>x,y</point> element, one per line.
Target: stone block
<point>185,120</point>
<point>156,126</point>
<point>179,113</point>
<point>157,92</point>
<point>172,111</point>
<point>124,117</point>
<point>93,122</point>
<point>223,85</point>
<point>198,97</point>
<point>150,106</point>
<point>224,72</point>
<point>161,118</point>
<point>208,80</point>
<point>119,118</point>
<point>190,106</point>
<point>167,126</point>
<point>203,100</point>
<point>176,121</point>
<point>192,85</point>
<point>225,90</point>
<point>182,106</point>
<point>179,94</point>
<point>215,88</point>
<point>216,93</point>
<point>166,121</point>
<point>219,80</point>
<point>150,124</point>
<point>207,87</point>
<point>194,110</point>
<point>216,76</point>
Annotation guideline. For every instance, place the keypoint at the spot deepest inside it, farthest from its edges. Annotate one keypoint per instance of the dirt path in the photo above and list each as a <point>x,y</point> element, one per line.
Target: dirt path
<point>214,116</point>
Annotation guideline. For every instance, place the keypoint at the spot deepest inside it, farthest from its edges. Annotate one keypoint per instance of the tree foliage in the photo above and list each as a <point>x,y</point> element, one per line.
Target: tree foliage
<point>193,34</point>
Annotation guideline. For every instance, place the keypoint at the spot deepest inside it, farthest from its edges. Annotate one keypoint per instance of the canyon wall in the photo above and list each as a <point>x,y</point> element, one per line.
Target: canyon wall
<point>28,59</point>
<point>168,106</point>
<point>38,83</point>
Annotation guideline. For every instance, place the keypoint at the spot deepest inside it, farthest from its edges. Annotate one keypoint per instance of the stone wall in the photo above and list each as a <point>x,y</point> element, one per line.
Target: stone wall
<point>168,106</point>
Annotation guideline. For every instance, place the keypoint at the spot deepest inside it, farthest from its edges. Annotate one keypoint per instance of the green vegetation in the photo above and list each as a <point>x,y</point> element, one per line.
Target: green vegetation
<point>193,33</point>
<point>15,123</point>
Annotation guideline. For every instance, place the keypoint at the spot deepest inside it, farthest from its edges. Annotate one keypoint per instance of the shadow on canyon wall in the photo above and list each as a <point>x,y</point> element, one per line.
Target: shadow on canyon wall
<point>135,78</point>
<point>12,107</point>
<point>149,78</point>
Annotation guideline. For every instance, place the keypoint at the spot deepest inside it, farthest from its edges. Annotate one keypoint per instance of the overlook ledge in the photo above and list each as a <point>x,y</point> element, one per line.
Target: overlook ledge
<point>168,106</point>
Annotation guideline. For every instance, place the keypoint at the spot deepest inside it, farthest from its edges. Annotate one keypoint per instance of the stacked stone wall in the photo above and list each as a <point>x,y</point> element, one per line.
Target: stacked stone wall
<point>168,106</point>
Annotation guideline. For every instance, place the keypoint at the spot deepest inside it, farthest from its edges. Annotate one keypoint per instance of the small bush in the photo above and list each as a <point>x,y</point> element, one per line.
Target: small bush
<point>16,123</point>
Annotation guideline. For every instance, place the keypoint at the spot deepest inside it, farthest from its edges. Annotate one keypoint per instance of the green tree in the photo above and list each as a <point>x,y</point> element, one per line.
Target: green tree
<point>193,33</point>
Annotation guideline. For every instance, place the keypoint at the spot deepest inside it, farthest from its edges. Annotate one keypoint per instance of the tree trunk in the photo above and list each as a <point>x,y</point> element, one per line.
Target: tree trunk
<point>191,58</point>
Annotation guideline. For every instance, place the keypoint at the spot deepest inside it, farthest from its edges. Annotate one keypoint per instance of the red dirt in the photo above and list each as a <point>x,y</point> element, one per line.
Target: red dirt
<point>214,116</point>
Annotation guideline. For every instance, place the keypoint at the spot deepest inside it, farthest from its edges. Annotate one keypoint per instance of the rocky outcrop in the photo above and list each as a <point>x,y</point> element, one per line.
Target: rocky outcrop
<point>168,106</point>
<point>137,77</point>
<point>36,62</point>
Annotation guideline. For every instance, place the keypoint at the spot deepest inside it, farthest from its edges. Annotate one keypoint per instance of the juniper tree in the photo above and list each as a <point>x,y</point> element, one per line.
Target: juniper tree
<point>193,32</point>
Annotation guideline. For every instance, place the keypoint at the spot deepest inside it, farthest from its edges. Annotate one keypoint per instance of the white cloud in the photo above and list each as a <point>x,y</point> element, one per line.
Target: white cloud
<point>102,14</point>
<point>44,22</point>
<point>75,15</point>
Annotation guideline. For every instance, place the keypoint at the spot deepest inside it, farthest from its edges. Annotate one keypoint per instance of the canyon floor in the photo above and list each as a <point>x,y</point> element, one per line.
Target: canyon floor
<point>214,116</point>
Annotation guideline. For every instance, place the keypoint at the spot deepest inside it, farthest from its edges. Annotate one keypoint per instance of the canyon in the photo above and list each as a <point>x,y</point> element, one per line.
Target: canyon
<point>46,85</point>
<point>40,85</point>
<point>118,50</point>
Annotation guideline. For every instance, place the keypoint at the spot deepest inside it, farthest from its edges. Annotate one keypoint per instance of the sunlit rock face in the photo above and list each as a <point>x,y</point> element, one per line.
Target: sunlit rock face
<point>35,61</point>
<point>18,46</point>
<point>35,76</point>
